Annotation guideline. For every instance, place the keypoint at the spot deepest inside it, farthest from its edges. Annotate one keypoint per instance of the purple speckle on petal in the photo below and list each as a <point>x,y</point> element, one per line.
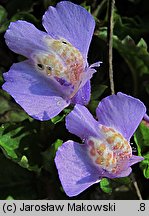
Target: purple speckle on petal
<point>62,81</point>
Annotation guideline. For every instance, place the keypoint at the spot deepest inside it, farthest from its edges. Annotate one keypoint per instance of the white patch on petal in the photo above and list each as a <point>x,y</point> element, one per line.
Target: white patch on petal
<point>112,152</point>
<point>61,62</point>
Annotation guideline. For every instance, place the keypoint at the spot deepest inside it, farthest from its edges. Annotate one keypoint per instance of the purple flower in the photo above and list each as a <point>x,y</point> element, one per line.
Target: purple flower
<point>106,151</point>
<point>56,72</point>
<point>146,118</point>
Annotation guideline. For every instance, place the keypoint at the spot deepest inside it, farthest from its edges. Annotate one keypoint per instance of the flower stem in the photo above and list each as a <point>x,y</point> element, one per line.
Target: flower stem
<point>99,8</point>
<point>110,43</point>
<point>136,186</point>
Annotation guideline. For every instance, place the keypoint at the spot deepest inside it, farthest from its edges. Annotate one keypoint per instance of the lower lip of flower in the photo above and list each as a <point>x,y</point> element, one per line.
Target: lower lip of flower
<point>110,153</point>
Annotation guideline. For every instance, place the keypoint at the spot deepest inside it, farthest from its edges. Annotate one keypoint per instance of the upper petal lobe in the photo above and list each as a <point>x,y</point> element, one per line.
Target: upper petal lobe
<point>71,22</point>
<point>24,38</point>
<point>121,112</point>
<point>81,123</point>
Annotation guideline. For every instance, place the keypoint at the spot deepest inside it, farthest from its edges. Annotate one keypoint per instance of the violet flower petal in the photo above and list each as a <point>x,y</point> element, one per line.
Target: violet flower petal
<point>121,112</point>
<point>71,22</point>
<point>124,173</point>
<point>135,159</point>
<point>146,118</point>
<point>33,91</point>
<point>81,123</point>
<point>83,95</point>
<point>24,38</point>
<point>75,169</point>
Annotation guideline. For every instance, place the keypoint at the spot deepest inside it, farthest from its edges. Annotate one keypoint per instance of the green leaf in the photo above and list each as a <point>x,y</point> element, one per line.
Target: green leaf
<point>9,141</point>
<point>4,105</point>
<point>142,44</point>
<point>57,144</point>
<point>49,154</point>
<point>144,165</point>
<point>3,19</point>
<point>124,180</point>
<point>97,91</point>
<point>87,7</point>
<point>19,143</point>
<point>9,111</point>
<point>58,119</point>
<point>133,26</point>
<point>105,185</point>
<point>24,16</point>
<point>3,15</point>
<point>9,198</point>
<point>93,105</point>
<point>141,137</point>
<point>4,26</point>
<point>135,55</point>
<point>24,162</point>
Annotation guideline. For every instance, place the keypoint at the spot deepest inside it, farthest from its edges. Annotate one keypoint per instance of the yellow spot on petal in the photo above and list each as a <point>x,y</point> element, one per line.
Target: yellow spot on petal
<point>117,146</point>
<point>101,148</point>
<point>110,139</point>
<point>107,163</point>
<point>109,156</point>
<point>99,160</point>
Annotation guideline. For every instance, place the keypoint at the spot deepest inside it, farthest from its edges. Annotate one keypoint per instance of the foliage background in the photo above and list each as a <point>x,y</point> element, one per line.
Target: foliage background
<point>28,146</point>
